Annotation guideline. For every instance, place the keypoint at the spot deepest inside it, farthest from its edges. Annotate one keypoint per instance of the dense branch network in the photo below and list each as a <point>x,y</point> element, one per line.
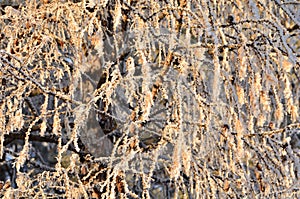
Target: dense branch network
<point>194,99</point>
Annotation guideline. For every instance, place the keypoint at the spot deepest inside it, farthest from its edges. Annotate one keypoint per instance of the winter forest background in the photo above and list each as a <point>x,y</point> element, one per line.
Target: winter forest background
<point>149,99</point>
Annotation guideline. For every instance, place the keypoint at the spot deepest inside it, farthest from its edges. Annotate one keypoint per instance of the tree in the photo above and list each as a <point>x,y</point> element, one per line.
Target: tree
<point>145,99</point>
